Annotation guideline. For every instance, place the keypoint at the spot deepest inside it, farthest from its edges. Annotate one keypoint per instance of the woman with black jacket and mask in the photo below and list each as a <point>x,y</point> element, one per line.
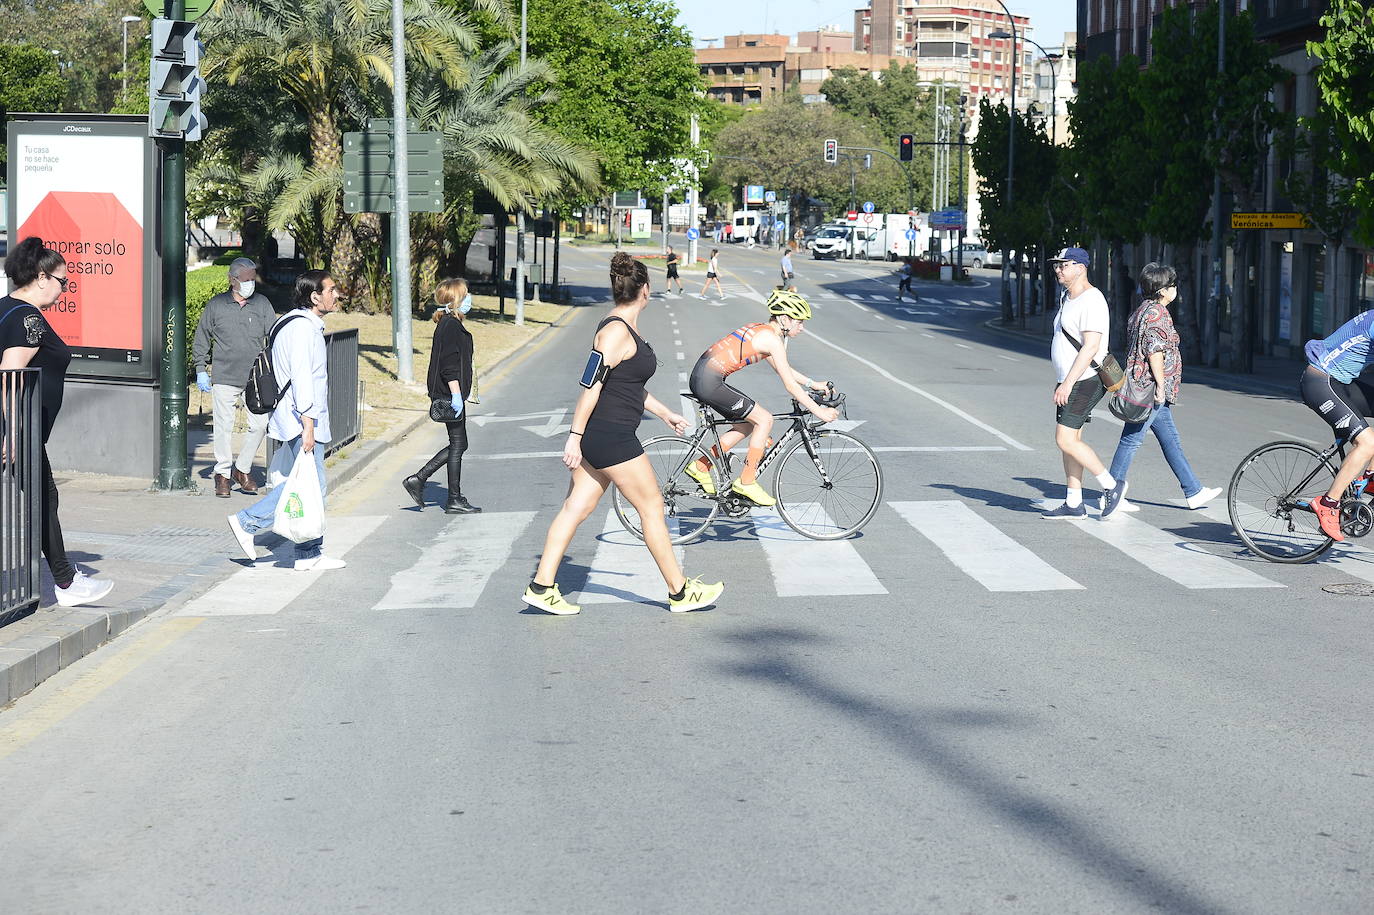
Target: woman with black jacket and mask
<point>450,376</point>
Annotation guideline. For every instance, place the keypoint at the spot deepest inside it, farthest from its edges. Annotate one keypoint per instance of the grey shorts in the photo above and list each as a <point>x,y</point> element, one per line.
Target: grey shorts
<point>1085,395</point>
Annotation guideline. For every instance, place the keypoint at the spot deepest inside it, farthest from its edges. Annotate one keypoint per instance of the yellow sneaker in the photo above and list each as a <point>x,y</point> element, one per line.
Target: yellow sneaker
<point>753,492</point>
<point>551,601</point>
<point>695,595</point>
<point>701,476</point>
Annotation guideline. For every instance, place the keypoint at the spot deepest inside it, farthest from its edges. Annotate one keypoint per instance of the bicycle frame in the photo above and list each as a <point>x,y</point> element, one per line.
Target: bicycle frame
<point>1334,450</point>
<point>708,422</point>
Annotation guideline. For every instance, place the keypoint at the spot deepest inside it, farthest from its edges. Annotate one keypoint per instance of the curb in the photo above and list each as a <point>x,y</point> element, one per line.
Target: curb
<point>66,635</point>
<point>1245,383</point>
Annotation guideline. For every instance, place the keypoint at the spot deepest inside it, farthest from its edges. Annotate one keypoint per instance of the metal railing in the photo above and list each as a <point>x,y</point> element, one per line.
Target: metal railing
<point>345,392</point>
<point>21,479</point>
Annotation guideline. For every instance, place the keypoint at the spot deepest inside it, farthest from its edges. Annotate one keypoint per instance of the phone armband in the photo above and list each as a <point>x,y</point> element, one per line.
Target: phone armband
<point>595,369</point>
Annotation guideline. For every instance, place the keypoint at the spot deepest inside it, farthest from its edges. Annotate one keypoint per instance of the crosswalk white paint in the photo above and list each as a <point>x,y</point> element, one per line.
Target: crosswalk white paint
<point>980,550</point>
<point>455,566</point>
<point>1164,553</point>
<point>623,570</point>
<point>806,568</point>
<point>271,584</point>
<point>1349,558</point>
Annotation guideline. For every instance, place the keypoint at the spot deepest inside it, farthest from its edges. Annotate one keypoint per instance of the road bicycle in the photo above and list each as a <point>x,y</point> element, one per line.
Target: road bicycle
<point>828,483</point>
<point>1271,495</point>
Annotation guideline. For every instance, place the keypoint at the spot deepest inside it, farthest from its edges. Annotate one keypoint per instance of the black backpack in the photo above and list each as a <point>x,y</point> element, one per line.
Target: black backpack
<point>261,394</point>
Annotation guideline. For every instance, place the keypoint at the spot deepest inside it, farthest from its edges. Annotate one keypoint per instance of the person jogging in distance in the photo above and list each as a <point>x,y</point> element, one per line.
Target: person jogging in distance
<point>603,448</point>
<point>750,344</point>
<point>713,274</point>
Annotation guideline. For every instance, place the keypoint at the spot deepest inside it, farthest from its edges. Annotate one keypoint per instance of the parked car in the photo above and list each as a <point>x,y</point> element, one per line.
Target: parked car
<point>809,236</point>
<point>975,255</point>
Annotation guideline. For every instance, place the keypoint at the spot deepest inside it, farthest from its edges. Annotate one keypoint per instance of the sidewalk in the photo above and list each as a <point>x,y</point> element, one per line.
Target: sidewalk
<point>159,548</point>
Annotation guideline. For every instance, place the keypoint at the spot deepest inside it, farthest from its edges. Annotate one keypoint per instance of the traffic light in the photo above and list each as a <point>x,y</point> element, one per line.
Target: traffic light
<point>868,160</point>
<point>905,147</point>
<point>174,83</point>
<point>832,151</point>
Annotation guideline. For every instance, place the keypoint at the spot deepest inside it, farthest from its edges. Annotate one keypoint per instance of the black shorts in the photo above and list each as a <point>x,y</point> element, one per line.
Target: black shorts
<point>710,276</point>
<point>607,444</point>
<point>1085,395</point>
<point>672,272</point>
<point>708,386</point>
<point>1343,406</point>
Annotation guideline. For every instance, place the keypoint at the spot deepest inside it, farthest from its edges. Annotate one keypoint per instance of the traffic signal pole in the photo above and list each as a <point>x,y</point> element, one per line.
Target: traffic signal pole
<point>173,472</point>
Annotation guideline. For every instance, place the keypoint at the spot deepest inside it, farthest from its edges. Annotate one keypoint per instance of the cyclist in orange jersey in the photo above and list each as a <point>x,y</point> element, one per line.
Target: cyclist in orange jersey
<point>750,344</point>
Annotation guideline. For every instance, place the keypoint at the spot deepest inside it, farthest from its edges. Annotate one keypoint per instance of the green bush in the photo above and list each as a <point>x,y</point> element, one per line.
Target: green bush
<point>201,285</point>
<point>227,258</point>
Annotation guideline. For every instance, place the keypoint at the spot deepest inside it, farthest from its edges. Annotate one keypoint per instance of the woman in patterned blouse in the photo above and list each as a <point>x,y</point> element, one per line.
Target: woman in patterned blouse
<point>1152,353</point>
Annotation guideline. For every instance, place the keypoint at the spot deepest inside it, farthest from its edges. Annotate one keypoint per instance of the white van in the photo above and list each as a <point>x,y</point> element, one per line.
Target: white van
<point>745,225</point>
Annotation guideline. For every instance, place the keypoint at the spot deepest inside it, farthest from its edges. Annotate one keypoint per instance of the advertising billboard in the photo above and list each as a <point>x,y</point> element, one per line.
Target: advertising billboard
<point>82,184</point>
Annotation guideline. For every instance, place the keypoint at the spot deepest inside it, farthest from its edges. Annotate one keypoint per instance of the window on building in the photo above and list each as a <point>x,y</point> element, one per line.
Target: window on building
<point>997,82</point>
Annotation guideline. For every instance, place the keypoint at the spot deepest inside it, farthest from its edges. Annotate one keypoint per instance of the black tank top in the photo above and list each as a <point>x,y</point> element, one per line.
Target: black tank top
<point>622,393</point>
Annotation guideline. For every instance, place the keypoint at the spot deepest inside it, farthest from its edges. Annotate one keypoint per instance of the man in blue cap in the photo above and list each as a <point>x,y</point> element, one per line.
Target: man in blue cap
<point>1081,329</point>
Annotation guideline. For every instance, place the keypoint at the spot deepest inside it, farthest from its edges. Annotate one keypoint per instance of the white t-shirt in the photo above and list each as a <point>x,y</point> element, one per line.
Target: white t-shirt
<point>1085,314</point>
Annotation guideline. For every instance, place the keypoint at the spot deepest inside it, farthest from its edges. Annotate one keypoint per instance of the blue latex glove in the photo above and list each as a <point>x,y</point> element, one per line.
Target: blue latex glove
<point>457,402</point>
<point>203,381</point>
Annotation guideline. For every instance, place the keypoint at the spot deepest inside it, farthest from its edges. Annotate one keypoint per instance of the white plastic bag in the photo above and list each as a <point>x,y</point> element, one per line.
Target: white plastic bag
<point>300,511</point>
<point>280,466</point>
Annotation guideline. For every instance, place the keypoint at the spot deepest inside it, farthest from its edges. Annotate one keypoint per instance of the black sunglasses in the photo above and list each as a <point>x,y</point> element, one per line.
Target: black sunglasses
<point>61,280</point>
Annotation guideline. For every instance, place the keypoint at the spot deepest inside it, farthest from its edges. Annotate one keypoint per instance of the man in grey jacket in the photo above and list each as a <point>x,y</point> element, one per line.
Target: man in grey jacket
<point>230,335</point>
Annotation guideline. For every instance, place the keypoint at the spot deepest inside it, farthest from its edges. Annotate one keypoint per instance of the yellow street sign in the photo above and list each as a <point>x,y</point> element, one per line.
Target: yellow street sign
<point>1269,221</point>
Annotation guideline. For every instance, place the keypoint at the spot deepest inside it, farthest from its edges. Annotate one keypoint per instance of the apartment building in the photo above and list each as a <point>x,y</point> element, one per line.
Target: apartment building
<point>750,69</point>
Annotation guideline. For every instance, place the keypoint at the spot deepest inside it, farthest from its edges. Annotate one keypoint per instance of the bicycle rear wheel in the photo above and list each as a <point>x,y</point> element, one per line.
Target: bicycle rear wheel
<point>686,506</point>
<point>833,494</point>
<point>1266,498</point>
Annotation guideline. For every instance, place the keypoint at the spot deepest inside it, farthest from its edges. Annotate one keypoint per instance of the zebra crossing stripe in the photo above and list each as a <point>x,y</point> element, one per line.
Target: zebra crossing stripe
<point>1347,557</point>
<point>980,550</point>
<point>1168,555</point>
<point>623,570</point>
<point>456,566</point>
<point>804,568</point>
<point>266,588</point>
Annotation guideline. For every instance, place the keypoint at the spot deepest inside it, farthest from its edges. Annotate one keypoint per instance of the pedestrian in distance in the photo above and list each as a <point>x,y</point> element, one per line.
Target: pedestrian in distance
<point>1152,351</point>
<point>786,264</point>
<point>228,338</point>
<point>672,262</point>
<point>300,422</point>
<point>904,277</point>
<point>603,448</point>
<point>1081,328</point>
<point>727,233</point>
<point>450,377</point>
<point>713,274</point>
<point>38,276</point>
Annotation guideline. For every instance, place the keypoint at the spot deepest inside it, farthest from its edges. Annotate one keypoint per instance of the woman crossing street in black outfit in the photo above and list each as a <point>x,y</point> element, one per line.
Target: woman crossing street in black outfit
<point>450,377</point>
<point>603,448</point>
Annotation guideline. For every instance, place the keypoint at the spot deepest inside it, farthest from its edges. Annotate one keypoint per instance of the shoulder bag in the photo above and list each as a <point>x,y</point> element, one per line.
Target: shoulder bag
<point>1109,371</point>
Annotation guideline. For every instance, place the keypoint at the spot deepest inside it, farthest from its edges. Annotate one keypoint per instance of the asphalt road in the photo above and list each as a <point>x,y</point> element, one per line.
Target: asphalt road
<point>966,708</point>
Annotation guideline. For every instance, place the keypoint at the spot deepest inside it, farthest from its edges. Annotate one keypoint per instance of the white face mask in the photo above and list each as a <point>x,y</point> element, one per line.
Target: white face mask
<point>246,288</point>
<point>465,306</point>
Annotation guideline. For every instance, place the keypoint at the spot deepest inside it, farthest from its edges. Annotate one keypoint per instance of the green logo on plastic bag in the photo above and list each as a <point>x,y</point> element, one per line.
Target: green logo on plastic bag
<point>294,509</point>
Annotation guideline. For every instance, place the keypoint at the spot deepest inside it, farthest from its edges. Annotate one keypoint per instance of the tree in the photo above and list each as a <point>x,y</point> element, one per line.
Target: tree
<point>85,37</point>
<point>29,81</point>
<point>626,84</point>
<point>328,56</point>
<point>889,104</point>
<point>1346,108</point>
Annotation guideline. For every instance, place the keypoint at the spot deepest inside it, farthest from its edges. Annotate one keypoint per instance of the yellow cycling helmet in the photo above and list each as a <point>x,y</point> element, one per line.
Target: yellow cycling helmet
<point>786,302</point>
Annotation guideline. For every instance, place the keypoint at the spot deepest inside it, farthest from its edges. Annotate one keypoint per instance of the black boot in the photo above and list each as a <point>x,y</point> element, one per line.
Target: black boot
<point>415,483</point>
<point>457,505</point>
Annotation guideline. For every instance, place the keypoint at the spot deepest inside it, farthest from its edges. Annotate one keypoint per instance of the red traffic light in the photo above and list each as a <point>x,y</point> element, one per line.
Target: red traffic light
<point>904,147</point>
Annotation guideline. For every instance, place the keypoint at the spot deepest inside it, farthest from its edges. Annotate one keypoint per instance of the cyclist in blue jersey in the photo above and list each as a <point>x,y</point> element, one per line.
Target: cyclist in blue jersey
<point>1332,387</point>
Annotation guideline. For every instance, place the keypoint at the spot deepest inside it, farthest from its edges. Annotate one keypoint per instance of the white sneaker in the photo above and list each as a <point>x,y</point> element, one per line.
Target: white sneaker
<point>1203,496</point>
<point>244,538</point>
<point>1127,506</point>
<point>319,564</point>
<point>83,590</point>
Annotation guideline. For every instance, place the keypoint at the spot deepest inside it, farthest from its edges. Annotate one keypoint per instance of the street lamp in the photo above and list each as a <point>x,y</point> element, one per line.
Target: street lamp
<point>1011,156</point>
<point>1054,84</point>
<point>125,22</point>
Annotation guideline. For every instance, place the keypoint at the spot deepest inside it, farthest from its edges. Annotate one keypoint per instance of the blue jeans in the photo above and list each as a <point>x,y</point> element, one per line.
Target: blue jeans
<point>258,516</point>
<point>1162,422</point>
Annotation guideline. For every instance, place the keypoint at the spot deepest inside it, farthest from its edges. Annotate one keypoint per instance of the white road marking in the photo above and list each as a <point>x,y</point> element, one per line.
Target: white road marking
<point>1348,557</point>
<point>1179,560</point>
<point>456,565</point>
<point>879,317</point>
<point>806,568</point>
<point>926,394</point>
<point>931,336</point>
<point>1008,358</point>
<point>682,376</point>
<point>681,355</point>
<point>1298,438</point>
<point>266,588</point>
<point>623,570</point>
<point>963,346</point>
<point>856,304</point>
<point>980,550</point>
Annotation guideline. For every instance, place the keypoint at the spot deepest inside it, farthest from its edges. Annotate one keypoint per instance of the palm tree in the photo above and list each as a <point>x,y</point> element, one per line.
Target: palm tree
<point>328,56</point>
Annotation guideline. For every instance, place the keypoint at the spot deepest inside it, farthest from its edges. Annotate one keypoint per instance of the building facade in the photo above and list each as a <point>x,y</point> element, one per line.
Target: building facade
<point>751,69</point>
<point>1305,285</point>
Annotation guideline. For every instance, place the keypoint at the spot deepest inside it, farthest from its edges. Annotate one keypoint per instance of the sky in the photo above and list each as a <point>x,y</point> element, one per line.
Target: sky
<point>714,18</point>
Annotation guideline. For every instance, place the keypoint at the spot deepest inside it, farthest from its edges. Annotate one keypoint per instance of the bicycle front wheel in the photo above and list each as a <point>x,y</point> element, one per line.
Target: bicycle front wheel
<point>686,506</point>
<point>830,494</point>
<point>1268,496</point>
